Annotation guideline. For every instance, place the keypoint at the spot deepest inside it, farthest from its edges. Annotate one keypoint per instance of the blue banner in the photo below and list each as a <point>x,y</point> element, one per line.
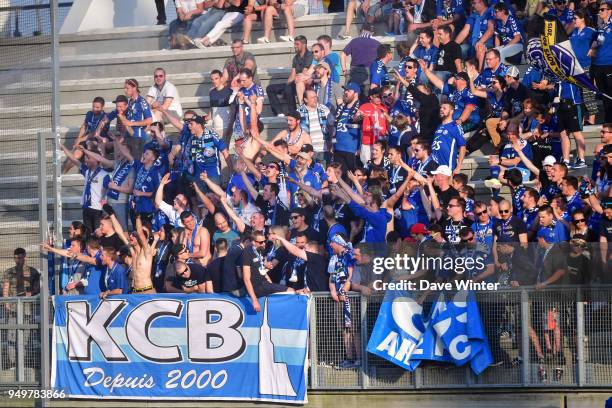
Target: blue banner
<point>453,332</point>
<point>165,346</point>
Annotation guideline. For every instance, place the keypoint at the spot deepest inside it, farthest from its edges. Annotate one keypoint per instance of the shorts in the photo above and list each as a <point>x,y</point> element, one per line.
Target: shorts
<point>266,288</point>
<point>569,117</point>
<point>376,10</point>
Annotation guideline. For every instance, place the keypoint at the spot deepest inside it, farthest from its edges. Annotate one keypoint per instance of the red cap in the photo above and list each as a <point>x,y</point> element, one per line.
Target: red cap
<point>418,229</point>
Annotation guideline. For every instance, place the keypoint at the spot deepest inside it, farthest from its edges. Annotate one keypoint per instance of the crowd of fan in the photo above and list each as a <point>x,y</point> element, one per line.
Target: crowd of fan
<point>376,160</point>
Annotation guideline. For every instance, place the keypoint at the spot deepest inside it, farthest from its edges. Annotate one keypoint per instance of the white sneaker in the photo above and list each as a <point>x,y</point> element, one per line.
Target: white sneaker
<point>344,37</point>
<point>286,38</point>
<point>493,183</point>
<point>280,115</point>
<point>198,43</point>
<point>263,40</point>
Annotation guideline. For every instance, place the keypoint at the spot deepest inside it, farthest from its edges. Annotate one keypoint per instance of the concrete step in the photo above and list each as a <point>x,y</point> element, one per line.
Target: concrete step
<point>156,37</point>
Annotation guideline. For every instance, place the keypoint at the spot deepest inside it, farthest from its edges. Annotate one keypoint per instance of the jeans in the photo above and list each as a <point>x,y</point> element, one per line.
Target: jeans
<point>288,91</point>
<point>201,25</point>
<point>228,20</point>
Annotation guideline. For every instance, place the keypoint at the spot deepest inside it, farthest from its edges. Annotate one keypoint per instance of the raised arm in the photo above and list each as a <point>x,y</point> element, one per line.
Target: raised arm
<point>214,187</point>
<point>175,121</point>
<point>318,194</point>
<point>254,193</point>
<point>70,156</point>
<point>106,163</point>
<point>291,248</point>
<point>116,224</point>
<point>437,82</point>
<point>240,225</point>
<point>210,207</point>
<point>119,145</point>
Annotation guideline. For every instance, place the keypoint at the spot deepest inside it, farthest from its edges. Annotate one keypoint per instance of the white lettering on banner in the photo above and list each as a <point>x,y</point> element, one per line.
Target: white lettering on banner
<point>212,331</point>
<point>96,375</point>
<point>138,323</point>
<point>83,328</point>
<point>191,377</point>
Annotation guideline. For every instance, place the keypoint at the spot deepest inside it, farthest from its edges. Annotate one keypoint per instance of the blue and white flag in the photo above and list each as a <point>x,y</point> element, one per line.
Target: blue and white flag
<point>557,60</point>
<point>453,333</point>
<point>193,347</point>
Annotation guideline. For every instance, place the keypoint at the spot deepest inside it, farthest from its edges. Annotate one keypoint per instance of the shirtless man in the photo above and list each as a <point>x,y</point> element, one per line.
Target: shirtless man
<point>250,146</point>
<point>196,239</point>
<point>294,135</point>
<point>143,261</point>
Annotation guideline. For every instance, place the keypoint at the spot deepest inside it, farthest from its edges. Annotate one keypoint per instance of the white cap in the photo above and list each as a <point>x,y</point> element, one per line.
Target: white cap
<point>444,170</point>
<point>549,161</point>
<point>513,71</point>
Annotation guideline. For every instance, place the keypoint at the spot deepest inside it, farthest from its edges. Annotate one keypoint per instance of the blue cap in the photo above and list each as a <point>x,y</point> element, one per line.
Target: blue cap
<point>352,86</point>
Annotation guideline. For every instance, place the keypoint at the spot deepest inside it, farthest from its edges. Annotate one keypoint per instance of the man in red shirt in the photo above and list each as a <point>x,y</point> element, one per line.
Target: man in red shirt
<point>375,123</point>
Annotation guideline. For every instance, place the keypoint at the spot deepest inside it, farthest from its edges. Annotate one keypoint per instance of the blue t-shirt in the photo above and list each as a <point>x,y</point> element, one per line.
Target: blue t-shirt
<point>483,233</point>
<point>348,133</point>
<point>487,75</point>
<point>204,153</point>
<point>429,55</point>
<point>570,92</point>
<point>447,140</point>
<point>479,25</point>
<point>461,99</point>
<point>448,9</point>
<point>507,31</point>
<point>497,105</point>
<point>95,277</point>
<point>147,180</point>
<point>247,92</point>
<point>375,222</point>
<point>604,45</point>
<point>116,278</point>
<point>334,63</point>
<point>181,163</point>
<point>509,153</point>
<point>162,163</point>
<point>138,110</point>
<point>532,75</point>
<point>573,203</point>
<point>92,121</point>
<point>378,73</point>
<point>517,200</point>
<point>554,233</point>
<point>581,44</point>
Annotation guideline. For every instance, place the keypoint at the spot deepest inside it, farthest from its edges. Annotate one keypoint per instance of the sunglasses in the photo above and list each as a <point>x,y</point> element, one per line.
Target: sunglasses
<point>478,214</point>
<point>271,166</point>
<point>387,95</point>
<point>453,205</point>
<point>410,67</point>
<point>417,150</point>
<point>504,211</point>
<point>603,9</point>
<point>295,217</point>
<point>259,242</point>
<point>467,239</point>
<point>579,221</point>
<point>159,76</point>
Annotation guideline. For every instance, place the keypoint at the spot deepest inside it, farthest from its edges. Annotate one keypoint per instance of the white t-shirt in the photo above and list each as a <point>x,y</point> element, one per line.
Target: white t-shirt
<point>168,91</point>
<point>94,187</point>
<point>187,5</point>
<point>315,131</point>
<point>173,215</point>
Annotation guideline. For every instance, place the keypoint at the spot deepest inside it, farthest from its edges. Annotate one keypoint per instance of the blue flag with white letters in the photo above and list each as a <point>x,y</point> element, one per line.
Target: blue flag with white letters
<point>453,332</point>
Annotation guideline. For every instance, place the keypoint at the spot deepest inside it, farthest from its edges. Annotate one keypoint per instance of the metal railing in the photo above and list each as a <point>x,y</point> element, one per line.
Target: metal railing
<point>513,320</point>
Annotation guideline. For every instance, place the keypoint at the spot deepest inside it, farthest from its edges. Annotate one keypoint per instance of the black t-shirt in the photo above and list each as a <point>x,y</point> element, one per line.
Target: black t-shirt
<point>554,260</point>
<point>447,55</point>
<point>316,272</point>
<point>605,228</point>
<point>344,215</point>
<point>277,214</point>
<point>281,256</point>
<point>445,196</point>
<point>113,241</point>
<point>220,98</point>
<point>509,230</point>
<point>232,269</point>
<point>215,272</point>
<point>397,176</point>
<point>578,270</point>
<point>299,63</point>
<point>255,261</point>
<point>453,228</point>
<point>522,267</point>
<point>514,99</point>
<point>198,276</point>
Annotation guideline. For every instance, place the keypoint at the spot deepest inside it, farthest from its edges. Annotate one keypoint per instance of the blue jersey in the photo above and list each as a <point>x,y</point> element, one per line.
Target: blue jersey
<point>119,175</point>
<point>604,45</point>
<point>182,163</point>
<point>94,274</point>
<point>487,75</point>
<point>429,55</point>
<point>581,42</point>
<point>517,200</point>
<point>146,181</point>
<point>570,92</point>
<point>447,140</point>
<point>375,223</point>
<point>92,121</point>
<point>532,75</point>
<point>162,164</point>
<point>529,217</point>
<point>483,233</point>
<point>461,99</point>
<point>247,92</point>
<point>550,191</point>
<point>574,203</point>
<point>378,73</point>
<point>204,154</point>
<point>509,153</point>
<point>566,17</point>
<point>554,233</point>
<point>348,132</point>
<point>138,110</point>
<point>116,278</point>
<point>479,25</point>
<point>507,31</point>
<point>448,9</point>
<point>497,105</point>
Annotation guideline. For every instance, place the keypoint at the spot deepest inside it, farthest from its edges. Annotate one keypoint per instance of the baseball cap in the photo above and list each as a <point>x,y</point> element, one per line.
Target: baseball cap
<point>549,161</point>
<point>199,119</point>
<point>444,170</point>
<point>418,228</point>
<point>324,65</point>
<point>462,75</point>
<point>375,91</point>
<point>121,98</point>
<point>352,86</point>
<point>513,71</point>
